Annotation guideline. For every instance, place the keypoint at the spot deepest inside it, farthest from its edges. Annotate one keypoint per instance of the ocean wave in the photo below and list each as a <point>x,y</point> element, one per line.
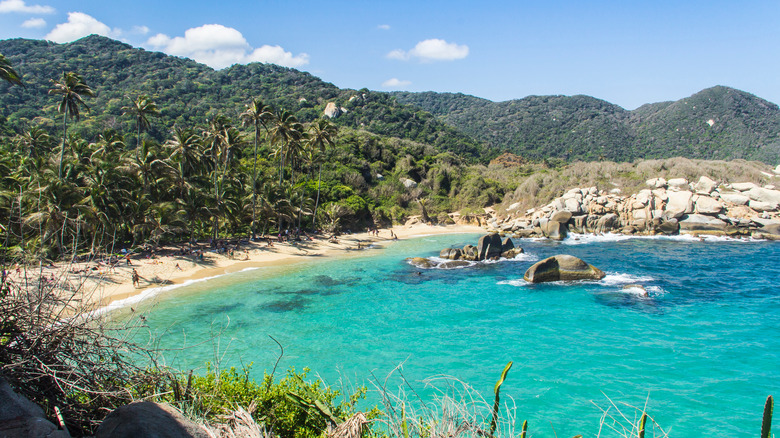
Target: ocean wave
<point>516,283</point>
<point>147,294</point>
<point>582,239</point>
<point>442,263</point>
<point>618,279</point>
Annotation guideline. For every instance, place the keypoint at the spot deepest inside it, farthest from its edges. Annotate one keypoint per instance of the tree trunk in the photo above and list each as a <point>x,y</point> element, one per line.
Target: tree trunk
<point>254,185</point>
<point>317,202</point>
<point>64,136</point>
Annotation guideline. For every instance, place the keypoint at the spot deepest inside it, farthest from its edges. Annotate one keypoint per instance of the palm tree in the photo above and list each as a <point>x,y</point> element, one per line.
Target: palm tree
<point>71,87</point>
<point>285,130</point>
<point>223,142</point>
<point>256,114</point>
<point>321,135</point>
<point>8,73</point>
<point>142,107</point>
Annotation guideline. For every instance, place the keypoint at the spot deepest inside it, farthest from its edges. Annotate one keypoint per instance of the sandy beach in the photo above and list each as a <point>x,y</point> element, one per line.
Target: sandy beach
<point>99,285</point>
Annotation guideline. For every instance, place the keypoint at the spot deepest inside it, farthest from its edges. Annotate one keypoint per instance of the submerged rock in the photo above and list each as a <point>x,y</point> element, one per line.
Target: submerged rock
<point>452,264</point>
<point>421,262</point>
<point>562,267</point>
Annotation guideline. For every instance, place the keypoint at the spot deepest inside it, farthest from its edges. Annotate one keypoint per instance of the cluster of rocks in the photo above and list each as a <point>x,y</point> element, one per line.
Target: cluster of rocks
<point>666,207</point>
<point>489,247</point>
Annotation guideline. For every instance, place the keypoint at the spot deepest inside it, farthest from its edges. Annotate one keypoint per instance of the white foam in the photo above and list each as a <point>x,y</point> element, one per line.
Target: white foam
<point>635,290</point>
<point>147,294</point>
<point>517,283</point>
<point>581,239</point>
<point>617,279</point>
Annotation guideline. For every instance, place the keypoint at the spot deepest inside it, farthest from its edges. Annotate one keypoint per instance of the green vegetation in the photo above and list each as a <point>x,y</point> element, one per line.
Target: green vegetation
<point>718,123</point>
<point>188,93</point>
<point>173,164</point>
<point>766,422</point>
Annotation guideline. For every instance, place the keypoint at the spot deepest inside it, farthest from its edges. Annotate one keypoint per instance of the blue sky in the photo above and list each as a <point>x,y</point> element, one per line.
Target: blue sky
<point>626,52</point>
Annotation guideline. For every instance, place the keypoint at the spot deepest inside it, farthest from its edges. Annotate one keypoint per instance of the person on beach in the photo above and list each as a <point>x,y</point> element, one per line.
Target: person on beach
<point>178,267</point>
<point>136,278</point>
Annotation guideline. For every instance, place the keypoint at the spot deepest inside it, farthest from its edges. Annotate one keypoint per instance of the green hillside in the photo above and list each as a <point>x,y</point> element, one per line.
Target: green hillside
<point>716,123</point>
<point>188,93</point>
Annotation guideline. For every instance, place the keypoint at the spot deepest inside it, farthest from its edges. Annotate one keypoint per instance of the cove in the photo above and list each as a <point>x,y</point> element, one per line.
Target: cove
<point>703,348</point>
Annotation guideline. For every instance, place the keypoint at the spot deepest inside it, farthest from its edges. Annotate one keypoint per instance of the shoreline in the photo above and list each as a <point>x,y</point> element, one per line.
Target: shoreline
<point>105,289</point>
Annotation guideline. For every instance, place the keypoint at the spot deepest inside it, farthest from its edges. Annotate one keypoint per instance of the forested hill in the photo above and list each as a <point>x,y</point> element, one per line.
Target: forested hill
<point>187,93</point>
<point>716,123</point>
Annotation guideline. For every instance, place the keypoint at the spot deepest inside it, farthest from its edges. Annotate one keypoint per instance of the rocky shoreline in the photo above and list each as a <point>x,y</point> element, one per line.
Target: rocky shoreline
<point>666,207</point>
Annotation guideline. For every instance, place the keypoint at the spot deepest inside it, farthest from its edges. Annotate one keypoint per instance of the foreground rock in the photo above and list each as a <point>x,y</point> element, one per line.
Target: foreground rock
<point>562,268</point>
<point>22,418</point>
<point>148,419</point>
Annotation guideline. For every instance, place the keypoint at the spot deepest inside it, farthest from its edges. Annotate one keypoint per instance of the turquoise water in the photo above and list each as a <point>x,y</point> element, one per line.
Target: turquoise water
<point>703,349</point>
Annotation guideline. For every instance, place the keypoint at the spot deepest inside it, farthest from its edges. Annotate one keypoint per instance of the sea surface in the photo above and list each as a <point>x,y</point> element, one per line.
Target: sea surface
<point>701,351</point>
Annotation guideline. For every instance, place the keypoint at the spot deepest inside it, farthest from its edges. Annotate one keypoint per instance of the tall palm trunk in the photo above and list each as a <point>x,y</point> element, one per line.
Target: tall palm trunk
<point>317,202</point>
<point>64,136</point>
<point>254,185</point>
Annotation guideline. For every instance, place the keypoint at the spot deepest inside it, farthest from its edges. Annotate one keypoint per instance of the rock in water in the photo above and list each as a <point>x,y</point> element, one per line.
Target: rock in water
<point>562,267</point>
<point>507,244</point>
<point>450,253</point>
<point>469,253</point>
<point>421,262</point>
<point>489,246</point>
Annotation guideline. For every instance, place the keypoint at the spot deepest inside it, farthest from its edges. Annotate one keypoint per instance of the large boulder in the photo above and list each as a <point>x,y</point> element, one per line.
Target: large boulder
<point>489,246</point>
<point>707,205</point>
<point>665,226</point>
<point>678,184</point>
<point>451,253</point>
<point>743,187</point>
<point>679,203</point>
<point>562,268</point>
<point>19,417</point>
<point>507,244</point>
<point>421,262</point>
<point>656,182</point>
<point>512,253</point>
<point>148,419</point>
<point>734,198</point>
<point>331,110</point>
<point>705,185</point>
<point>562,216</point>
<point>554,230</point>
<point>764,195</point>
<point>469,253</point>
<point>762,206</point>
<point>607,223</point>
<point>700,222</point>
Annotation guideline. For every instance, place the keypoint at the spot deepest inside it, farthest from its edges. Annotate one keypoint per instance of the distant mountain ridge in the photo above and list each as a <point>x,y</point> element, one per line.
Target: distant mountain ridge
<point>715,123</point>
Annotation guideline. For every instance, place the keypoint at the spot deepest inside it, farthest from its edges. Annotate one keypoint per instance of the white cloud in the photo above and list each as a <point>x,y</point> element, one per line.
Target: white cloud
<point>219,47</point>
<point>140,30</point>
<point>383,27</point>
<point>395,83</point>
<point>80,25</point>
<point>432,50</point>
<point>34,23</point>
<point>398,54</point>
<point>19,6</point>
